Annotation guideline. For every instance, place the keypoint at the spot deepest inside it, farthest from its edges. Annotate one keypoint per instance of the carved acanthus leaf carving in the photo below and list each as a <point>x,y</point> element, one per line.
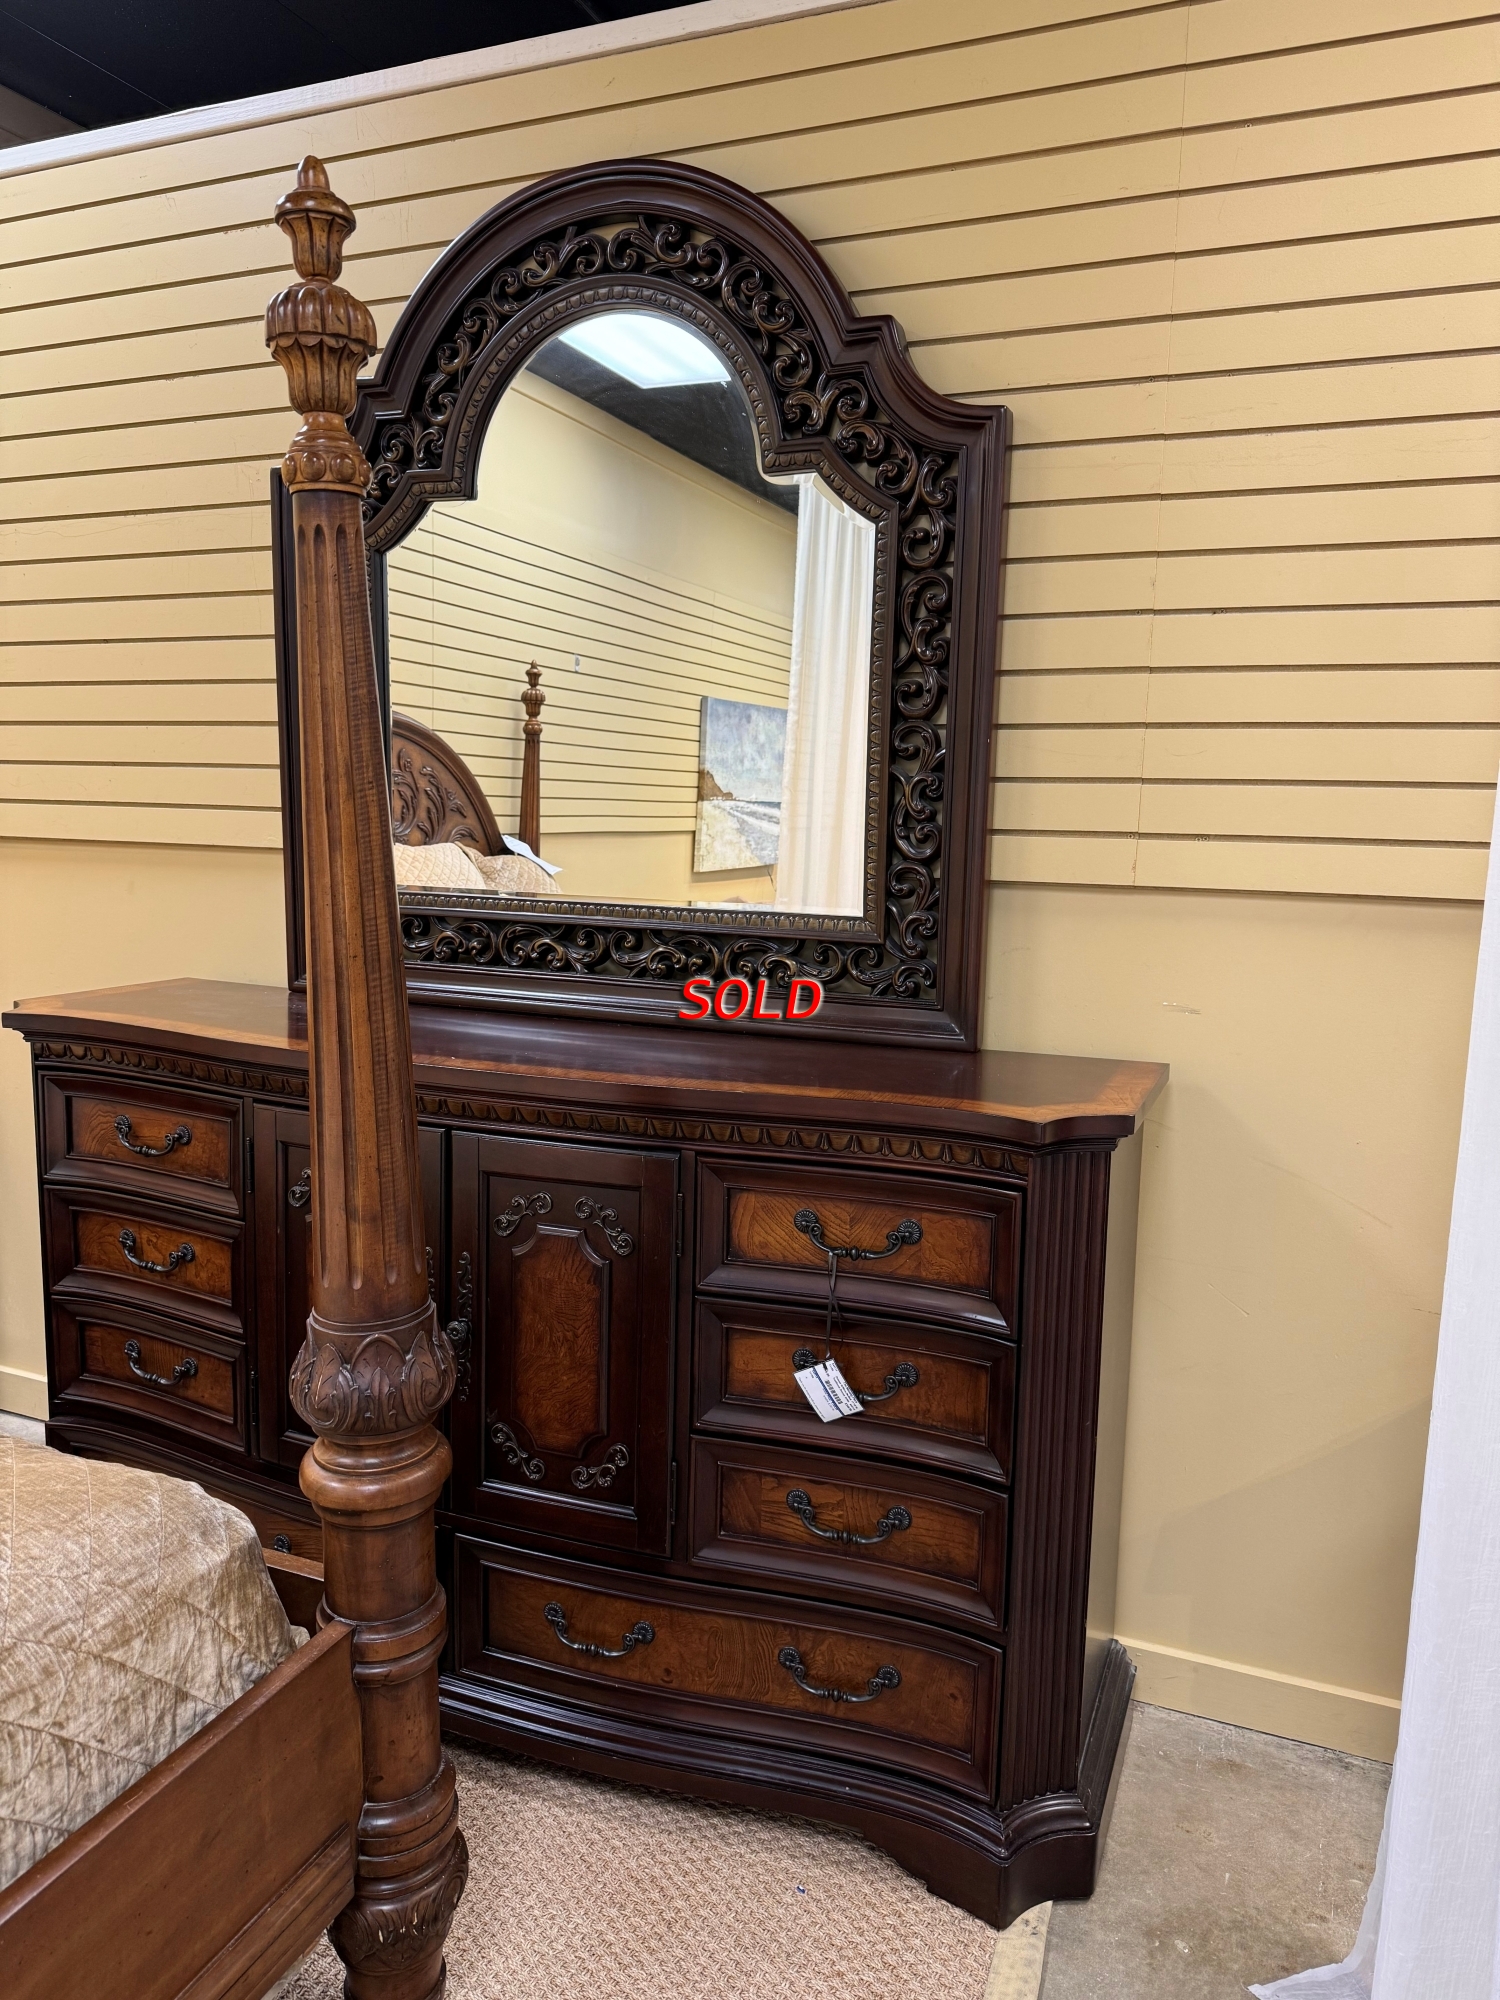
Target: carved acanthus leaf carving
<point>391,1934</point>
<point>422,803</point>
<point>376,1390</point>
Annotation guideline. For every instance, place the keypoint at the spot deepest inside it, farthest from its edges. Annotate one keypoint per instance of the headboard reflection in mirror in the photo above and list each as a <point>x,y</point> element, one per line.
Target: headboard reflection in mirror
<point>637,458</point>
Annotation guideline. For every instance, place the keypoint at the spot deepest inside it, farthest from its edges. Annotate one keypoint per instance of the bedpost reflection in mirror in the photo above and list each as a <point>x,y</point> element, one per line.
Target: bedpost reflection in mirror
<point>703,633</point>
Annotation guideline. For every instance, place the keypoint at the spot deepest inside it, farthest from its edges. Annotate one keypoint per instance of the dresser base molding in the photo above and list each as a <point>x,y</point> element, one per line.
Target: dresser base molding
<point>995,1865</point>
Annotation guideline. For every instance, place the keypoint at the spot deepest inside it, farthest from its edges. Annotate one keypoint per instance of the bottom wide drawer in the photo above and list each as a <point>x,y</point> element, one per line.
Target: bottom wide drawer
<point>188,1378</point>
<point>848,1683</point>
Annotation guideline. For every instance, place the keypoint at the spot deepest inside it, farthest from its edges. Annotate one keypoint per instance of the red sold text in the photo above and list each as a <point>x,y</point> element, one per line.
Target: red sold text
<point>734,1000</point>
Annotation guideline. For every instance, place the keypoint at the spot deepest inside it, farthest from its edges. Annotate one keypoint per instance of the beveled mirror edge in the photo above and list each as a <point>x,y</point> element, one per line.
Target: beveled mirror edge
<point>859,352</point>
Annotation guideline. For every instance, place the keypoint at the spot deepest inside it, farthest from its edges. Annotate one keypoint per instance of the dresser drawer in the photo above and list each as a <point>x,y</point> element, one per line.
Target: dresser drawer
<point>171,1143</point>
<point>907,1541</point>
<point>847,1682</point>
<point>190,1380</point>
<point>124,1250</point>
<point>942,1399</point>
<point>761,1231</point>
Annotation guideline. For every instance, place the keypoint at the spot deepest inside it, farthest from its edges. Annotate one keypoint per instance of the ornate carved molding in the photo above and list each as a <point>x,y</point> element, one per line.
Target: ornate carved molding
<point>910,1149</point>
<point>377,1389</point>
<point>156,1062</point>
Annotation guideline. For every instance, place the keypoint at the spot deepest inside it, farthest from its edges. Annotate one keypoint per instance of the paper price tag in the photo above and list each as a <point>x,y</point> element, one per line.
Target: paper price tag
<point>830,1395</point>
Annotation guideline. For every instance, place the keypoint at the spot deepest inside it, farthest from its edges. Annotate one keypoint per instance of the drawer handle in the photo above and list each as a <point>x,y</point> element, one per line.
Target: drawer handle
<point>183,1372</point>
<point>282,1545</point>
<point>299,1194</point>
<point>183,1254</point>
<point>638,1635</point>
<point>602,1474</point>
<point>880,1680</point>
<point>520,1207</point>
<point>807,1220</point>
<point>510,1444</point>
<point>608,1220</point>
<point>891,1522</point>
<point>181,1137</point>
<point>902,1376</point>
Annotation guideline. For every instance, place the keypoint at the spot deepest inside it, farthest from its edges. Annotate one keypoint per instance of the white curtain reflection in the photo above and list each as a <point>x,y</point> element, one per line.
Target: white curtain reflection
<point>820,861</point>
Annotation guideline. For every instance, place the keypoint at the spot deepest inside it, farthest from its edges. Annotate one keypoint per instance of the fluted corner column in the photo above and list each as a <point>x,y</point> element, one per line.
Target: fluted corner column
<point>375,1367</point>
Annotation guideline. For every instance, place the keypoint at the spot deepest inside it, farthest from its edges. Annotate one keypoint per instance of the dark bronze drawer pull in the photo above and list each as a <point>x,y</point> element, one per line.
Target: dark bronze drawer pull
<point>602,1474</point>
<point>902,1376</point>
<point>183,1254</point>
<point>608,1220</point>
<point>282,1545</point>
<point>890,1523</point>
<point>183,1372</point>
<point>806,1219</point>
<point>880,1680</point>
<point>520,1207</point>
<point>639,1635</point>
<point>299,1194</point>
<point>510,1444</point>
<point>183,1136</point>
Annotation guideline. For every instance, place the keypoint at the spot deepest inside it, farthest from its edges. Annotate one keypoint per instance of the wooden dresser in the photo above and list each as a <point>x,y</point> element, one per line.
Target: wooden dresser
<point>662,1564</point>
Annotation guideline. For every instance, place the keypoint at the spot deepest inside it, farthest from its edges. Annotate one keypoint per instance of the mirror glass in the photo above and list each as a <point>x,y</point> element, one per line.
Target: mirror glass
<point>698,634</point>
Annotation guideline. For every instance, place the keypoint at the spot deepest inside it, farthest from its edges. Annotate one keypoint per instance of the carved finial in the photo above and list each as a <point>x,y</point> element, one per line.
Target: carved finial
<point>317,222</point>
<point>532,698</point>
<point>321,335</point>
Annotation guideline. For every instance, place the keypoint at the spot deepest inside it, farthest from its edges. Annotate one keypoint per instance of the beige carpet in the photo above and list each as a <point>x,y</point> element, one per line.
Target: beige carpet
<point>582,1890</point>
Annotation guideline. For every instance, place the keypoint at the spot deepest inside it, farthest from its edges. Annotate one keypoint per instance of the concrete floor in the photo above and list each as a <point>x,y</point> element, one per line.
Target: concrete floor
<point>1231,1857</point>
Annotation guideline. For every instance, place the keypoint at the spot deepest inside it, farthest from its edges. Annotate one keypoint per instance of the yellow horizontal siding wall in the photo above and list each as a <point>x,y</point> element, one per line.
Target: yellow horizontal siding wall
<point>1232,264</point>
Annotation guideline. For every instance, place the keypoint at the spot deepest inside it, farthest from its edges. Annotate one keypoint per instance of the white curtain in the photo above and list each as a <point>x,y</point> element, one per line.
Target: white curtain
<point>1431,1927</point>
<point>821,853</point>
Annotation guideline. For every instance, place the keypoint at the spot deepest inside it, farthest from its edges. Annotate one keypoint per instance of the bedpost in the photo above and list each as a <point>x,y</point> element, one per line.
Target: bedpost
<point>375,1367</point>
<point>530,821</point>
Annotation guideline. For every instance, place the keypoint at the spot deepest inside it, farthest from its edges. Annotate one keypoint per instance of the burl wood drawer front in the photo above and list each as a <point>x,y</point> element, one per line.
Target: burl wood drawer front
<point>181,1263</point>
<point>156,1140</point>
<point>909,1541</point>
<point>936,1397</point>
<point>759,1231</point>
<point>188,1379</point>
<point>849,1682</point>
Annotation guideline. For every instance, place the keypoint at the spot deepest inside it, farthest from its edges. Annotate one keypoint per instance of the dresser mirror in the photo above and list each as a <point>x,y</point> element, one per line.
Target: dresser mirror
<point>685,593</point>
<point>688,638</point>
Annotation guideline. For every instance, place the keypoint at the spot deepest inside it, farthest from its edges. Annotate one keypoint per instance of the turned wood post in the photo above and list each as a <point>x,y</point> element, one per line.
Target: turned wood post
<point>375,1367</point>
<point>532,698</point>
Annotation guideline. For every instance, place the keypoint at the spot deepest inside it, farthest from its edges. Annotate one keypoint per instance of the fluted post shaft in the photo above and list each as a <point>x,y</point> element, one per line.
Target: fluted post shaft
<point>375,1367</point>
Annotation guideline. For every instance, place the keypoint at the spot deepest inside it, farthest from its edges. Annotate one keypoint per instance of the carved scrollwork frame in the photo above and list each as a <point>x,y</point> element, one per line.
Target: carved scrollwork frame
<point>829,391</point>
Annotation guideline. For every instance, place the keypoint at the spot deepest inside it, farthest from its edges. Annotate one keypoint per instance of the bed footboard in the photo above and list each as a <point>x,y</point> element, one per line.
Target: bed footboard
<point>213,1874</point>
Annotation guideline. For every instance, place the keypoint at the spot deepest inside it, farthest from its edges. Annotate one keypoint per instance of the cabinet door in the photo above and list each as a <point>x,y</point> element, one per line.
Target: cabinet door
<point>283,1231</point>
<point>566,1428</point>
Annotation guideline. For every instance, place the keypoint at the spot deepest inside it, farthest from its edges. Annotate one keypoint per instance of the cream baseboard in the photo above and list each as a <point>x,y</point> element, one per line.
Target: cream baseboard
<point>23,1392</point>
<point>1338,1718</point>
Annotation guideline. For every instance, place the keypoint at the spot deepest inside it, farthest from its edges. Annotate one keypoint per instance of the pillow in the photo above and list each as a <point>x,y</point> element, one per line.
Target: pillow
<point>511,874</point>
<point>444,865</point>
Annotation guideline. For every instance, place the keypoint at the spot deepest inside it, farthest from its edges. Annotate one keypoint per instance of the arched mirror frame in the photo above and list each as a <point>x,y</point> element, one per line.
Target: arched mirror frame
<point>830,392</point>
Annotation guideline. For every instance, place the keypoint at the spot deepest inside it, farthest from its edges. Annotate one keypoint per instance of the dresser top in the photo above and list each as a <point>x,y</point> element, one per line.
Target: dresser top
<point>991,1093</point>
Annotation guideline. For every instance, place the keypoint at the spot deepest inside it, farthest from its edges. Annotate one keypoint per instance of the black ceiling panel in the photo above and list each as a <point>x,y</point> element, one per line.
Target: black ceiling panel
<point>100,62</point>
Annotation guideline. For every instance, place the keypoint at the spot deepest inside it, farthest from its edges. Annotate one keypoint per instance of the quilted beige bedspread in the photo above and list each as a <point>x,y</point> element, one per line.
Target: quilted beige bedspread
<point>133,1608</point>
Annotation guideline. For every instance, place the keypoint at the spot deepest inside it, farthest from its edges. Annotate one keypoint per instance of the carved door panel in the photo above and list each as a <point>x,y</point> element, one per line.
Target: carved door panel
<point>283,1227</point>
<point>565,1428</point>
